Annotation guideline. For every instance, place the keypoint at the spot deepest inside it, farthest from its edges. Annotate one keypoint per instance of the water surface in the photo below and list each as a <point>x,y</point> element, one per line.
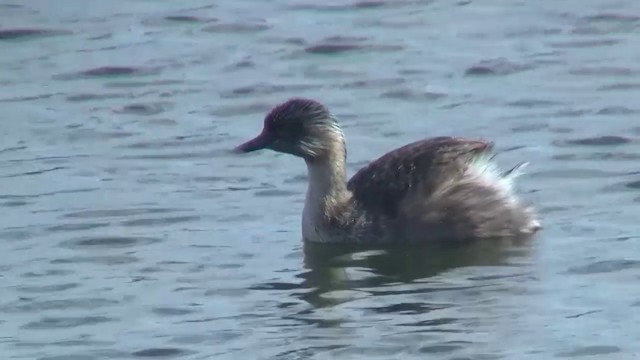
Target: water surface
<point>129,231</point>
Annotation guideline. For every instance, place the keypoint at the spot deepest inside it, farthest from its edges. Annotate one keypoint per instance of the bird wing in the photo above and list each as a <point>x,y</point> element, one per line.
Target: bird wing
<point>382,185</point>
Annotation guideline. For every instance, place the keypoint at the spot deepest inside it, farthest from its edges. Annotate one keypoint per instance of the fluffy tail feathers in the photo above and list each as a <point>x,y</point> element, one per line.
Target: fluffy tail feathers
<point>515,171</point>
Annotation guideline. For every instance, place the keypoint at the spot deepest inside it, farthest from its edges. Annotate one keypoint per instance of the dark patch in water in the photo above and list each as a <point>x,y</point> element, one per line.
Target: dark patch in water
<point>529,128</point>
<point>440,349</point>
<point>176,142</point>
<point>29,98</point>
<point>88,214</point>
<point>135,84</point>
<point>298,179</point>
<point>36,172</point>
<point>145,109</point>
<point>92,97</point>
<point>221,179</point>
<point>160,221</point>
<point>369,4</point>
<point>274,286</point>
<point>241,64</point>
<point>108,72</point>
<point>161,122</point>
<point>46,273</point>
<point>28,306</point>
<point>529,32</point>
<point>188,19</point>
<point>328,48</point>
<point>68,357</point>
<point>167,311</point>
<point>262,88</point>
<point>622,186</point>
<point>14,203</point>
<point>392,23</point>
<point>173,156</point>
<point>107,242</point>
<point>620,86</point>
<point>50,323</point>
<point>616,156</point>
<point>25,34</point>
<point>603,71</point>
<point>412,95</point>
<point>337,73</point>
<point>112,71</point>
<point>616,110</point>
<point>336,48</point>
<point>84,135</point>
<point>533,103</point>
<point>373,83</point>
<point>162,352</point>
<point>47,288</point>
<point>571,112</point>
<point>605,266</point>
<point>101,260</point>
<point>406,308</point>
<point>612,18</point>
<point>606,24</point>
<point>337,44</point>
<point>16,234</point>
<point>76,227</point>
<point>342,6</point>
<point>633,185</point>
<point>606,140</point>
<point>274,193</point>
<point>578,44</point>
<point>590,351</point>
<point>12,148</point>
<point>101,37</point>
<point>237,27</point>
<point>567,173</point>
<point>286,40</point>
<point>496,67</point>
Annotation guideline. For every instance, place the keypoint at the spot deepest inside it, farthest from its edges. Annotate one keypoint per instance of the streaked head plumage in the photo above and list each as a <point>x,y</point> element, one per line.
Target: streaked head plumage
<point>298,126</point>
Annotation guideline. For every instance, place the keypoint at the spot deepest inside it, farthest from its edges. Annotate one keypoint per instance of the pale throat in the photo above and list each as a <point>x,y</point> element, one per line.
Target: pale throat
<point>327,182</point>
<point>326,191</point>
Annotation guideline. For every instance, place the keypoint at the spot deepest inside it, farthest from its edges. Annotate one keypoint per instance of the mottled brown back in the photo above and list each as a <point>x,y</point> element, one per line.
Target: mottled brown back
<point>382,186</point>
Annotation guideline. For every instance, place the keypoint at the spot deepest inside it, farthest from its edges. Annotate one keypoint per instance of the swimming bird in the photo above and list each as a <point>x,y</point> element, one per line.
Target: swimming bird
<point>436,189</point>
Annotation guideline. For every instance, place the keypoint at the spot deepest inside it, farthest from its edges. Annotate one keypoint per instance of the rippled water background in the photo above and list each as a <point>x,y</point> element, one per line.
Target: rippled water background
<point>129,231</point>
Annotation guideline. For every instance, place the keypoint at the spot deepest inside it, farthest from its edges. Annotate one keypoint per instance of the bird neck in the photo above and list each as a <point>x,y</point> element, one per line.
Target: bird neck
<point>327,179</point>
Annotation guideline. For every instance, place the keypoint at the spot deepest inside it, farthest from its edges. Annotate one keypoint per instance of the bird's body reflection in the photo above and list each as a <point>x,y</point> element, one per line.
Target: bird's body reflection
<point>357,268</point>
<point>429,293</point>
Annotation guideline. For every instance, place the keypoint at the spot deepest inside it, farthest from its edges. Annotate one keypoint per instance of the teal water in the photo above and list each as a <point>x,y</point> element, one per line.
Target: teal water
<point>129,231</point>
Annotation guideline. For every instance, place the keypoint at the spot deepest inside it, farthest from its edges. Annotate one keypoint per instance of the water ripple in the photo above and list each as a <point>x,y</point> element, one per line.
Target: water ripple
<point>162,352</point>
<point>50,323</point>
<point>100,260</point>
<point>590,351</point>
<point>496,67</point>
<point>126,218</point>
<point>109,72</point>
<point>107,242</point>
<point>605,266</point>
<point>25,305</point>
<point>147,109</point>
<point>604,140</point>
<point>27,34</point>
<point>48,288</point>
<point>237,27</point>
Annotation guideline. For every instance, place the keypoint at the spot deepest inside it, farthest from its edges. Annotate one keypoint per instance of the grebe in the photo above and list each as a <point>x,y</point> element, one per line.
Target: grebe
<point>436,189</point>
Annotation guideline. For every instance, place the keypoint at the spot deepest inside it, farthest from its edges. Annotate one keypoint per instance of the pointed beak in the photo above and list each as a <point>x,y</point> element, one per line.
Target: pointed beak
<point>259,142</point>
